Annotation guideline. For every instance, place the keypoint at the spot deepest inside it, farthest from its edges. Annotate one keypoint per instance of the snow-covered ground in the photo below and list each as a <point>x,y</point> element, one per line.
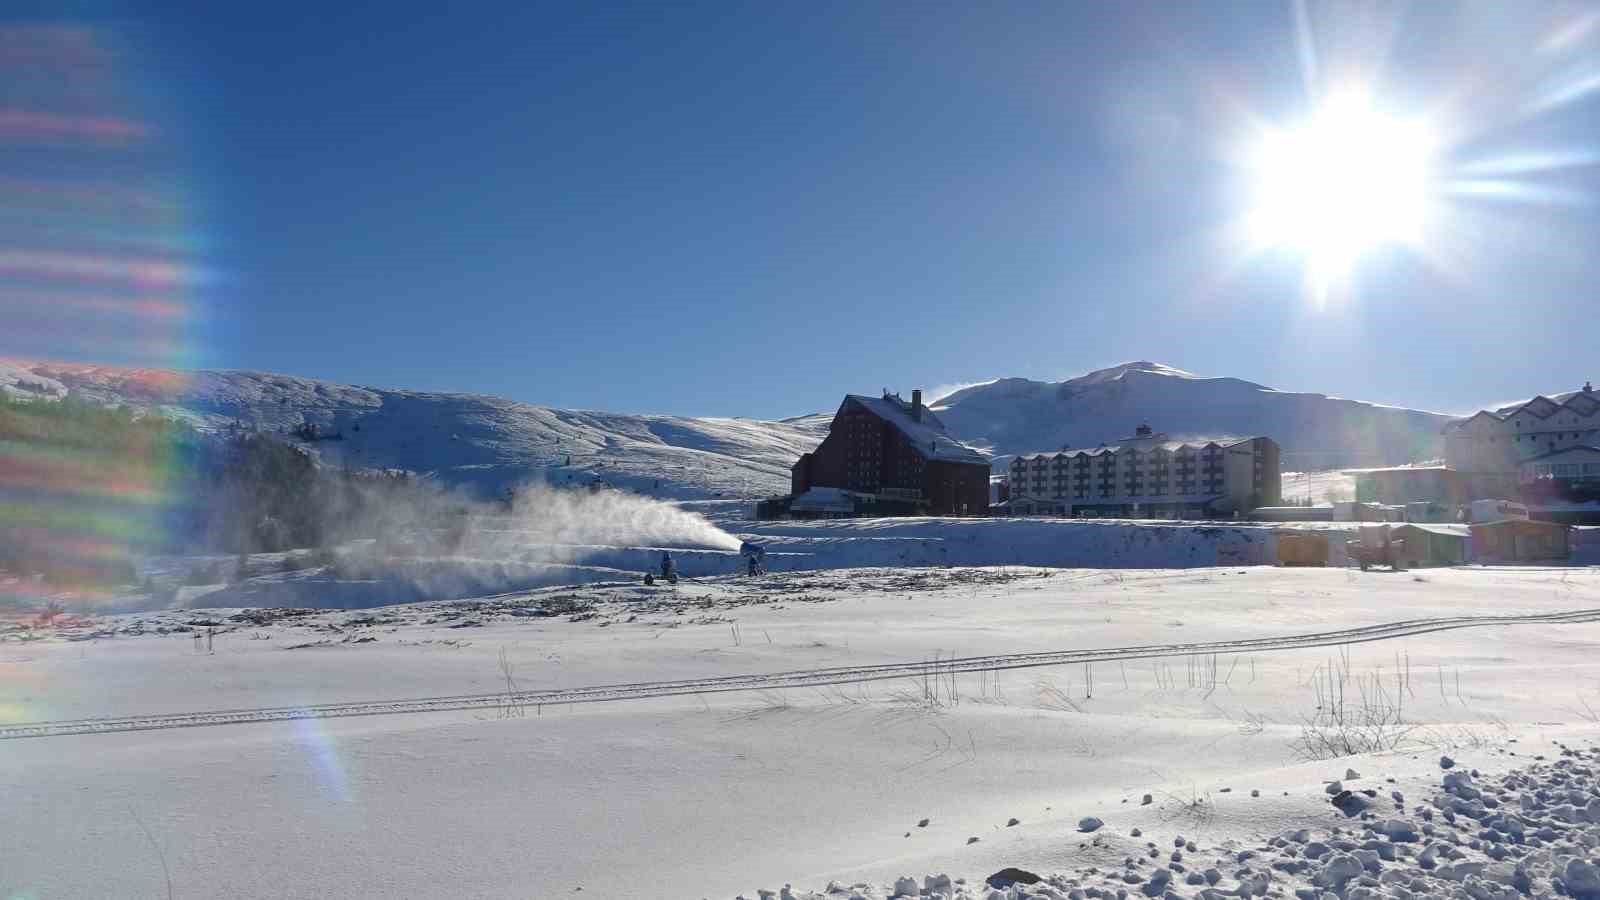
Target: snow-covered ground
<point>499,556</point>
<point>716,794</point>
<point>485,443</point>
<point>491,443</point>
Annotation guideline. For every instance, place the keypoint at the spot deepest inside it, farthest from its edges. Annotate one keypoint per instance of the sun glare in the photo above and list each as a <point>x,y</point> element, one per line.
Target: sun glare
<point>1346,180</point>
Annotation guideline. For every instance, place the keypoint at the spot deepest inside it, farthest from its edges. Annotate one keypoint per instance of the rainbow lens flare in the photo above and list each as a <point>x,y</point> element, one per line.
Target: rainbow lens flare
<point>98,261</point>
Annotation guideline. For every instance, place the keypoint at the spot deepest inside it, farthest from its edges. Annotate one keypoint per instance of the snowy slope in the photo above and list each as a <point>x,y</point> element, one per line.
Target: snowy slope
<point>490,442</point>
<point>487,443</point>
<point>1016,415</point>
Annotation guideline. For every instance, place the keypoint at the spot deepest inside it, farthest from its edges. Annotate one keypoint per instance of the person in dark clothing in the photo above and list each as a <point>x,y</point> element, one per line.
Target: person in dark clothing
<point>754,556</point>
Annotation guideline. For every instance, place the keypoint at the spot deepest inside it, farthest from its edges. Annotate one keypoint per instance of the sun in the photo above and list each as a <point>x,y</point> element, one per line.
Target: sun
<point>1346,180</point>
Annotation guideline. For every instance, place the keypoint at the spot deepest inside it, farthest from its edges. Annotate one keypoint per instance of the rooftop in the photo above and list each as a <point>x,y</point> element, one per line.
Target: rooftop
<point>928,437</point>
<point>1142,445</point>
<point>1584,401</point>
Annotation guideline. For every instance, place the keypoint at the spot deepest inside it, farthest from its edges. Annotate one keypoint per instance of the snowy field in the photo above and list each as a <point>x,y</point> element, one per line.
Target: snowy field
<point>496,774</point>
<point>501,558</point>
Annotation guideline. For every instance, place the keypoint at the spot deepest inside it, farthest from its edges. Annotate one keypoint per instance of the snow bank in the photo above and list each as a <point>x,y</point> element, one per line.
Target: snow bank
<point>1531,832</point>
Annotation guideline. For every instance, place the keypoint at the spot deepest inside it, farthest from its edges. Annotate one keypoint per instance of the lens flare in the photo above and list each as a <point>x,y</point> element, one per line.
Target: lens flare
<point>1346,180</point>
<point>323,756</point>
<point>98,261</point>
<point>1452,170</point>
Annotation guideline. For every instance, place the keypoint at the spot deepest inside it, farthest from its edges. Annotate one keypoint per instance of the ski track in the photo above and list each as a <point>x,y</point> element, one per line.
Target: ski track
<point>780,680</point>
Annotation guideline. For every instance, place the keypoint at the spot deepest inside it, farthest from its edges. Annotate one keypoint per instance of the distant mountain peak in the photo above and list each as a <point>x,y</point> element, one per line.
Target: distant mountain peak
<point>1010,415</point>
<point>1143,366</point>
<point>1146,367</point>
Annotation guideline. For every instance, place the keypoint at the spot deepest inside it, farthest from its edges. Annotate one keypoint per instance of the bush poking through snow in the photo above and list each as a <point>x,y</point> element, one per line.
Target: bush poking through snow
<point>1370,721</point>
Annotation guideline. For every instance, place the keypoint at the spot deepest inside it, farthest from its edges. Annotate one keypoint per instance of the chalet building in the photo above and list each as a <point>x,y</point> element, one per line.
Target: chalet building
<point>1149,476</point>
<point>1498,443</point>
<point>884,456</point>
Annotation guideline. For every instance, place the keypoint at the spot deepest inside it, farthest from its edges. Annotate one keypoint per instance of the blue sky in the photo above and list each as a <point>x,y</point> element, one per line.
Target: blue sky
<point>750,209</point>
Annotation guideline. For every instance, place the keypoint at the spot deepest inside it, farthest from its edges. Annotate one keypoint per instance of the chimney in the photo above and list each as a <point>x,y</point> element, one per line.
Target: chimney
<point>1142,431</point>
<point>916,405</point>
<point>1588,388</point>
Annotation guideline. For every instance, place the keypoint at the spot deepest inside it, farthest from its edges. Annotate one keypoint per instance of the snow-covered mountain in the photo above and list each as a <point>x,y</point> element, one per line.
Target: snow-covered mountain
<point>486,443</point>
<point>490,443</point>
<point>1016,415</point>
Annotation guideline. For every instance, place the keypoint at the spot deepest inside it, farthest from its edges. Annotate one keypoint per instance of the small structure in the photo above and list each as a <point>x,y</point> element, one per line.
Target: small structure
<point>1404,484</point>
<point>823,503</point>
<point>1496,511</point>
<point>1302,548</point>
<point>1033,506</point>
<point>1431,544</point>
<point>1521,540</point>
<point>1430,511</point>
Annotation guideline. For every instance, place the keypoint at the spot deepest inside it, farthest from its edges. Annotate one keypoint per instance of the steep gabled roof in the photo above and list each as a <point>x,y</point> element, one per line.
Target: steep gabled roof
<point>1540,406</point>
<point>1583,404</point>
<point>928,437</point>
<point>1480,414</point>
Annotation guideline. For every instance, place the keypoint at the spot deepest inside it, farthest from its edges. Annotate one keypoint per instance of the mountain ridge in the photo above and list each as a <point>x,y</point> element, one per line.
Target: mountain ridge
<point>478,441</point>
<point>491,443</point>
<point>1008,416</point>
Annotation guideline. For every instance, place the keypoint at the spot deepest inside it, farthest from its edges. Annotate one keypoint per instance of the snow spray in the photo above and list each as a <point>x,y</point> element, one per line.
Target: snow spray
<point>611,518</point>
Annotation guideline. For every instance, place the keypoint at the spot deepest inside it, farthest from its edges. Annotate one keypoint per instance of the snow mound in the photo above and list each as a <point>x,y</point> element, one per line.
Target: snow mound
<point>1531,832</point>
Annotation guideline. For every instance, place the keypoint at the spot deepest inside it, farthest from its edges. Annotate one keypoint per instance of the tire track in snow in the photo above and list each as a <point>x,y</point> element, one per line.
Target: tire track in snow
<point>777,680</point>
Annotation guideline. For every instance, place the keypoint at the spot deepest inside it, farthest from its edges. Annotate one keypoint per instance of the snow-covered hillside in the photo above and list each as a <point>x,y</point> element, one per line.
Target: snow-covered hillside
<point>486,443</point>
<point>490,443</point>
<point>1016,415</point>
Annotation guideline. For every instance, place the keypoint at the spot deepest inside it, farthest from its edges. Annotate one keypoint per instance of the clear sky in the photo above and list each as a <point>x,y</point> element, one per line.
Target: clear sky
<point>752,208</point>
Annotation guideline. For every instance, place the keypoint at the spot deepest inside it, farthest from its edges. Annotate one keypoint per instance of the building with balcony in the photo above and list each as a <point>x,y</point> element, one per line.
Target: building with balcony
<point>1498,442</point>
<point>1572,467</point>
<point>1150,476</point>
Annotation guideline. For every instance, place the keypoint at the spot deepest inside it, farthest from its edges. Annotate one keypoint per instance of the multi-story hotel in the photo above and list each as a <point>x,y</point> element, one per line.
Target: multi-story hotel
<point>1148,476</point>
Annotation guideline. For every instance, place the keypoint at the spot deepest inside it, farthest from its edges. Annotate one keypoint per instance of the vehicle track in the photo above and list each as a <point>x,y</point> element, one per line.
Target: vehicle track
<point>777,680</point>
